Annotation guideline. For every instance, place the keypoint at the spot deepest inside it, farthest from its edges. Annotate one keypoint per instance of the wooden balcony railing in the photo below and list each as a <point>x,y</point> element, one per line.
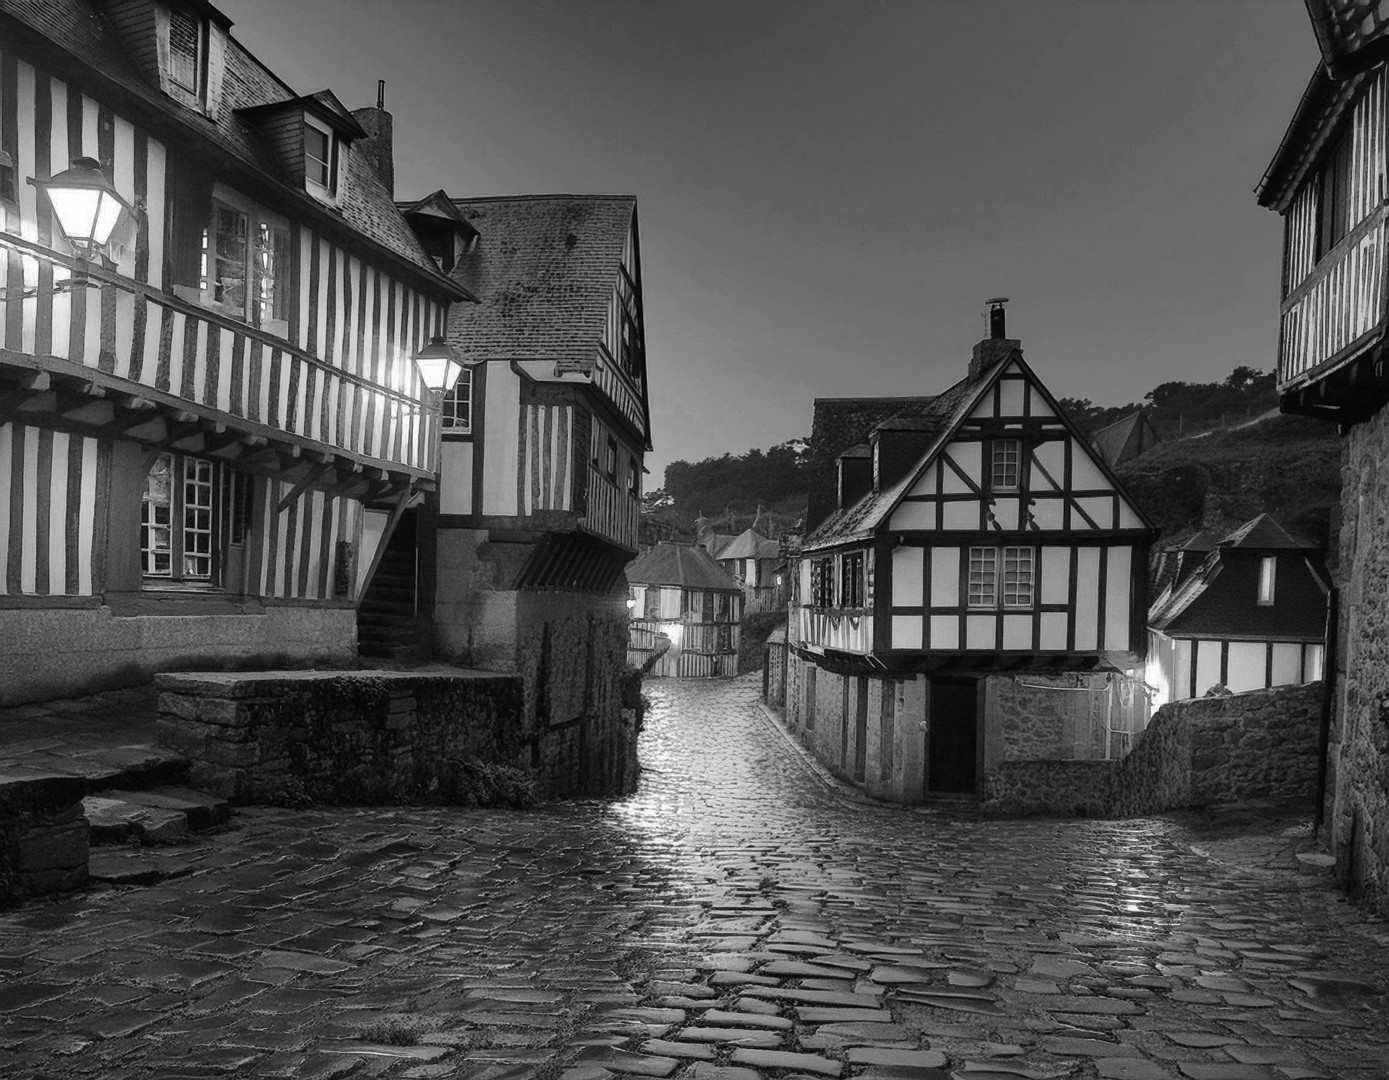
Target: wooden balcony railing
<point>849,630</point>
<point>1337,309</point>
<point>251,379</point>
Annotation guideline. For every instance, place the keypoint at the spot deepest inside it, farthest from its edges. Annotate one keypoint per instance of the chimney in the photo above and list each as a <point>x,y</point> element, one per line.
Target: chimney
<point>997,345</point>
<point>855,475</point>
<point>379,145</point>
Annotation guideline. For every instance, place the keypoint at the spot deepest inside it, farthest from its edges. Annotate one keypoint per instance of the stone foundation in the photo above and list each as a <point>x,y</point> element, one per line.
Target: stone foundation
<point>1070,788</point>
<point>339,737</point>
<point>43,834</point>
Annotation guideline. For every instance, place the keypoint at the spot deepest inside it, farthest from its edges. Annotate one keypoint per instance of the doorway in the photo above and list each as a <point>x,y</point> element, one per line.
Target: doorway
<point>952,740</point>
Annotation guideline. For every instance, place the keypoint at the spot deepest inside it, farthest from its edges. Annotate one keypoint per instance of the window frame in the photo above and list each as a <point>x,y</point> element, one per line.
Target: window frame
<point>259,223</point>
<point>1005,457</point>
<point>981,584</point>
<point>329,187</point>
<point>220,521</point>
<point>1268,580</point>
<point>458,402</point>
<point>198,87</point>
<point>987,584</point>
<point>1020,600</point>
<point>610,459</point>
<point>853,592</point>
<point>651,602</point>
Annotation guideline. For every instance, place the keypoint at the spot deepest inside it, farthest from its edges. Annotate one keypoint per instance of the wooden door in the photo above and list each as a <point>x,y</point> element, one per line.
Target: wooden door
<point>861,730</point>
<point>952,740</point>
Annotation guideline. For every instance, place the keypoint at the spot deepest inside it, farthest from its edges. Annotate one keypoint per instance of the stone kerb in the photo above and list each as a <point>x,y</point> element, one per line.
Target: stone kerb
<point>338,737</point>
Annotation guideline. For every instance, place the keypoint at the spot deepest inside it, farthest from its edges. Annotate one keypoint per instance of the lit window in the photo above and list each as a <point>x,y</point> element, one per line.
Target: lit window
<point>1007,454</point>
<point>458,404</point>
<point>983,577</point>
<point>633,478</point>
<point>651,606</point>
<point>318,155</point>
<point>244,266</point>
<point>610,459</point>
<point>1017,576</point>
<point>182,522</point>
<point>1268,568</point>
<point>851,580</point>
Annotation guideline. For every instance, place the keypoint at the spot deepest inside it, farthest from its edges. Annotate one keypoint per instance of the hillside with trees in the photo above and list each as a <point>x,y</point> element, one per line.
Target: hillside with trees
<point>1225,455</point>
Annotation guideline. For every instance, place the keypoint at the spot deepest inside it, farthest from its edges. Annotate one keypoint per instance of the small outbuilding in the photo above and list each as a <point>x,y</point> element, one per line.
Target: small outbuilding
<point>678,591</point>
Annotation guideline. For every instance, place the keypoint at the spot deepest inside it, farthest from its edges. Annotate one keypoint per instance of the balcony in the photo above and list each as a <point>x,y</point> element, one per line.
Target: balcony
<point>842,629</point>
<point>1329,360</point>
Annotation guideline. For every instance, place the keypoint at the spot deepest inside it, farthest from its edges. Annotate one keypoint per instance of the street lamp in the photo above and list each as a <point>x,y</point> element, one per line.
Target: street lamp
<point>439,366</point>
<point>87,206</point>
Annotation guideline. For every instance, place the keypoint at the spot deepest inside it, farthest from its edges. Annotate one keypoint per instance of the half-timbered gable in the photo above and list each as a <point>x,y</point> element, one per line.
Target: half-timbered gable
<point>199,419</point>
<point>969,536</point>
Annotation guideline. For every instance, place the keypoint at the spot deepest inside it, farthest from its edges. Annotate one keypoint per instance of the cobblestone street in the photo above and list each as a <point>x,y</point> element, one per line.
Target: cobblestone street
<point>736,918</point>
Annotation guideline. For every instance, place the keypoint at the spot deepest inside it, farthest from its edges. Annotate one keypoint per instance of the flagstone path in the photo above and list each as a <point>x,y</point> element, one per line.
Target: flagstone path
<point>737,918</point>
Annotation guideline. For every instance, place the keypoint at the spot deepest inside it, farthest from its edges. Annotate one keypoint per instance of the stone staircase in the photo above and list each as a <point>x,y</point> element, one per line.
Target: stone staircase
<point>88,794</point>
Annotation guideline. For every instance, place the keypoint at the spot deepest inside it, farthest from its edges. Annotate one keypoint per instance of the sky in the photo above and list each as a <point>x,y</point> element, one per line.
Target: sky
<point>828,192</point>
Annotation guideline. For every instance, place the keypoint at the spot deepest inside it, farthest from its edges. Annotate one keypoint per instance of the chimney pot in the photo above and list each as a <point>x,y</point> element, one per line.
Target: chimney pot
<point>997,318</point>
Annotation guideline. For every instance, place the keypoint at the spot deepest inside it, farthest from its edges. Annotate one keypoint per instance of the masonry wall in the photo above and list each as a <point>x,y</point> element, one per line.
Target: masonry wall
<point>51,653</point>
<point>1360,736</point>
<point>569,650</point>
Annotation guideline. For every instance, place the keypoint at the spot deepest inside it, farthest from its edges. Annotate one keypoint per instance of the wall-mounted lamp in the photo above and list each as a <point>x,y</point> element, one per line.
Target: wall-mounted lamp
<point>87,206</point>
<point>631,600</point>
<point>439,365</point>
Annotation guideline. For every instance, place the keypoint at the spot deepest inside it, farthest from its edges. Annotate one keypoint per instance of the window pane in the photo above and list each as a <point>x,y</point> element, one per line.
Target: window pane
<point>458,404</point>
<point>230,265</point>
<point>1017,576</point>
<point>272,269</point>
<point>156,538</point>
<point>1006,454</point>
<point>316,155</point>
<point>197,518</point>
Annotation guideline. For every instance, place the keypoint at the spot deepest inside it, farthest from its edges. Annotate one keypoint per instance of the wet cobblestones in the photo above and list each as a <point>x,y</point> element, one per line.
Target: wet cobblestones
<point>737,918</point>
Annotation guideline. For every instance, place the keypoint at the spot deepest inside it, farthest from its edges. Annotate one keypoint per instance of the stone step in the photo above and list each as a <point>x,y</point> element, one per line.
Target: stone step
<point>138,866</point>
<point>203,811</point>
<point>117,821</point>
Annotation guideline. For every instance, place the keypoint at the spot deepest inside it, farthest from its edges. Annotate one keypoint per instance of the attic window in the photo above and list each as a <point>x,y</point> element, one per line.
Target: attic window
<point>186,51</point>
<point>318,156</point>
<point>1007,454</point>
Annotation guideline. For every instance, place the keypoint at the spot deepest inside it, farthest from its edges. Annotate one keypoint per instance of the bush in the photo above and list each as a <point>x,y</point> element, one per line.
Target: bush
<point>755,630</point>
<point>473,782</point>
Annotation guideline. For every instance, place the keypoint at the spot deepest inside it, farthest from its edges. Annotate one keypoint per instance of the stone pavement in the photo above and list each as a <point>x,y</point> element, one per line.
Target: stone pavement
<point>736,918</point>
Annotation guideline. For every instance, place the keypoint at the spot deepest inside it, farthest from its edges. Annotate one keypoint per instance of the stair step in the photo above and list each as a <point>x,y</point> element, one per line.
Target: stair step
<point>118,821</point>
<point>138,866</point>
<point>203,811</point>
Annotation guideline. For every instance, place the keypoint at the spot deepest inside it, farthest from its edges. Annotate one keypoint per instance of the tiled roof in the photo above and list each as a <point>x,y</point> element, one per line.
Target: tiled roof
<point>1125,438</point>
<point>543,269</point>
<point>78,30</point>
<point>749,545</point>
<point>1264,534</point>
<point>686,565</point>
<point>839,425</point>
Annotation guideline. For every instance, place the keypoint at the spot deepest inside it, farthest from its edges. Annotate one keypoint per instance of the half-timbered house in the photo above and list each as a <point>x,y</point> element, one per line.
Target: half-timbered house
<point>205,422</point>
<point>965,538</point>
<point>752,559</point>
<point>686,610</point>
<point>1250,615</point>
<point>1329,180</point>
<point>543,441</point>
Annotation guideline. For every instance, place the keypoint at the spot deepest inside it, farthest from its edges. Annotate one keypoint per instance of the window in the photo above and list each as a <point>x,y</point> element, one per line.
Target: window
<point>821,583</point>
<point>187,505</point>
<point>458,404</point>
<point>187,51</point>
<point>1268,569</point>
<point>318,156</point>
<point>7,188</point>
<point>651,607</point>
<point>610,459</point>
<point>633,478</point>
<point>1006,457</point>
<point>983,577</point>
<point>851,580</point>
<point>1333,197</point>
<point>245,267</point>
<point>1018,577</point>
<point>725,608</point>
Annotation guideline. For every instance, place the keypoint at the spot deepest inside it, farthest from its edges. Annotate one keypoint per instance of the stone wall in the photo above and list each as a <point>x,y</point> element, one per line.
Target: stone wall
<point>1072,788</point>
<point>43,834</point>
<point>1262,744</point>
<point>48,653</point>
<point>1360,738</point>
<point>344,737</point>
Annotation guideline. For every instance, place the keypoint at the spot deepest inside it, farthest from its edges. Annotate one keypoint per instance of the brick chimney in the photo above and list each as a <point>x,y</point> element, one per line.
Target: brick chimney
<point>997,345</point>
<point>379,145</point>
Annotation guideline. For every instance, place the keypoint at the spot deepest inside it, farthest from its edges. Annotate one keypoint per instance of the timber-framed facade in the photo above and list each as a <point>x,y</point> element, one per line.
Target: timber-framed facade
<point>973,537</point>
<point>223,420</point>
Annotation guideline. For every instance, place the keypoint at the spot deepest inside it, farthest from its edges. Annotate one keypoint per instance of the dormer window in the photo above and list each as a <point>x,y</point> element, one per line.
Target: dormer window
<point>187,51</point>
<point>318,157</point>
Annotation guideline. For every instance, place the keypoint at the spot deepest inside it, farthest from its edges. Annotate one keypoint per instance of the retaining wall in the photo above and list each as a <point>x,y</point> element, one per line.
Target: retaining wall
<point>43,834</point>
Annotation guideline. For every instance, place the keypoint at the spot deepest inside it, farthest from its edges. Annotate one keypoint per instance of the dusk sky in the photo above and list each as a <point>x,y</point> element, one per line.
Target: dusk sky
<point>828,192</point>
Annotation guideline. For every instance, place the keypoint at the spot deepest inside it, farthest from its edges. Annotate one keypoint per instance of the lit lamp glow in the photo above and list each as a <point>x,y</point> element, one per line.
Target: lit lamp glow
<point>87,206</point>
<point>439,365</point>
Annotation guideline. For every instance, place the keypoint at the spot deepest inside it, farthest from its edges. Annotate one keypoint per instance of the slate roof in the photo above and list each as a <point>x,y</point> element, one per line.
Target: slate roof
<point>1218,597</point>
<point>1124,438</point>
<point>839,425</point>
<point>749,545</point>
<point>77,31</point>
<point>543,269</point>
<point>946,409</point>
<point>686,565</point>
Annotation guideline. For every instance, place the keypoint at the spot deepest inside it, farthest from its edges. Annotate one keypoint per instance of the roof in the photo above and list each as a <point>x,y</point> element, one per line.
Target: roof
<point>839,425</point>
<point>437,204</point>
<point>1124,438</point>
<point>324,104</point>
<point>85,47</point>
<point>749,545</point>
<point>686,565</point>
<point>1264,534</point>
<point>1318,113</point>
<point>1351,34</point>
<point>543,268</point>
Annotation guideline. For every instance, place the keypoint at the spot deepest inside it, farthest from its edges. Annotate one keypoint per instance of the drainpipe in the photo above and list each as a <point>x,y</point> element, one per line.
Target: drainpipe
<point>1328,697</point>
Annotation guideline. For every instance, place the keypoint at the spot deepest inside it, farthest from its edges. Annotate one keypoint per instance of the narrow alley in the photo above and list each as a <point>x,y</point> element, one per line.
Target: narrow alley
<point>738,917</point>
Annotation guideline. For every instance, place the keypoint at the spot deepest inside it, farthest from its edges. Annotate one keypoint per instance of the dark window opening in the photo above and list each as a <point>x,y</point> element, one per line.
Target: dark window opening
<point>1333,197</point>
